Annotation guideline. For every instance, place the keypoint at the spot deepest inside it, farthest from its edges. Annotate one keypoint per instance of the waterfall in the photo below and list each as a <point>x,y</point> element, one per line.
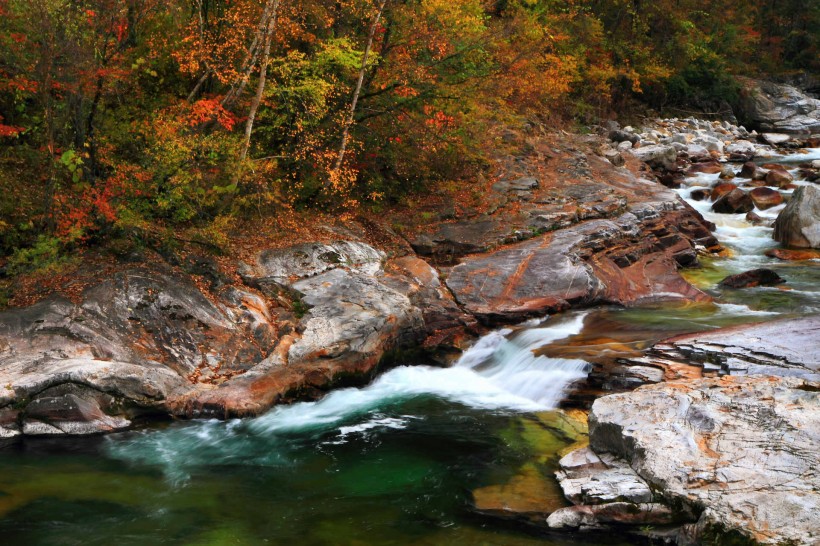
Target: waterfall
<point>500,372</point>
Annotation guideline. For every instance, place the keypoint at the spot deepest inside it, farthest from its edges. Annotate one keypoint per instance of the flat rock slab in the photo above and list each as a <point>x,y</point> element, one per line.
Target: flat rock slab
<point>739,451</point>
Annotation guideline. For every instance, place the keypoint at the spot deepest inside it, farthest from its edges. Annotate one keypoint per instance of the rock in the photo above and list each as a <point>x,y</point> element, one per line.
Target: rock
<point>657,156</point>
<point>618,513</point>
<point>779,177</point>
<point>778,108</point>
<point>721,189</point>
<point>775,139</point>
<point>798,224</point>
<point>707,167</point>
<point>700,194</point>
<point>752,170</point>
<point>587,478</point>
<point>781,347</point>
<point>628,260</point>
<point>741,150</point>
<point>280,266</point>
<point>521,185</point>
<point>766,198</point>
<point>752,278</point>
<point>711,144</point>
<point>754,219</point>
<point>793,255</point>
<point>694,151</point>
<point>624,146</point>
<point>614,157</point>
<point>734,202</point>
<point>727,172</point>
<point>739,451</point>
<point>624,136</point>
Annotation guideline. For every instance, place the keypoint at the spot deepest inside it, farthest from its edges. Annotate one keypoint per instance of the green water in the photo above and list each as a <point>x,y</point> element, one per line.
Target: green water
<point>408,485</point>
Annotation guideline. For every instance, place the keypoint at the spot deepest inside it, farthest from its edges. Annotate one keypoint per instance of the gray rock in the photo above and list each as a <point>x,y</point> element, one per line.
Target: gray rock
<point>778,108</point>
<point>741,451</point>
<point>799,223</point>
<point>283,266</point>
<point>350,313</point>
<point>657,156</point>
<point>741,150</point>
<point>587,478</point>
<point>620,513</point>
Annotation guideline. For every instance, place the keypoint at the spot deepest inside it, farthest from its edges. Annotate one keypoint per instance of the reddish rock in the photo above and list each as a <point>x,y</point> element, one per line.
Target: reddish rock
<point>722,189</point>
<point>754,219</point>
<point>766,198</point>
<point>779,177</point>
<point>706,167</point>
<point>734,202</point>
<point>752,170</point>
<point>793,255</point>
<point>750,279</point>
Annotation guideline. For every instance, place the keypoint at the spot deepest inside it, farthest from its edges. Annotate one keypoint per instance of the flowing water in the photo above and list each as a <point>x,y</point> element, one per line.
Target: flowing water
<point>391,463</point>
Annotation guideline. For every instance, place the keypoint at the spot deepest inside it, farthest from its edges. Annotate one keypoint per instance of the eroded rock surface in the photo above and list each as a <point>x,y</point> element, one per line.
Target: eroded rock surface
<point>738,452</point>
<point>799,223</point>
<point>779,108</point>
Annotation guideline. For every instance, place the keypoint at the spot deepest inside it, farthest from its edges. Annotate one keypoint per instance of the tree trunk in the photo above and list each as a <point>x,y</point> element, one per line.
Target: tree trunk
<point>271,9</point>
<point>362,71</point>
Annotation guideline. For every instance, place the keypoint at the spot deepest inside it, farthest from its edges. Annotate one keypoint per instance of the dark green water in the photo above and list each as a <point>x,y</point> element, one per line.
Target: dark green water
<point>383,485</point>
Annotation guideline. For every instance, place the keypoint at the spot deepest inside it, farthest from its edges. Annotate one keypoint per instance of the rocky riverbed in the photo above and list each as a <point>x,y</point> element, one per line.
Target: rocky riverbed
<point>721,441</point>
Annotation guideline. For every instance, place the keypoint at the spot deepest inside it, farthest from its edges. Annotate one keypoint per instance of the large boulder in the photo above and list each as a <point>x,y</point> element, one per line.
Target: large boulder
<point>740,453</point>
<point>798,224</point>
<point>626,260</point>
<point>777,108</point>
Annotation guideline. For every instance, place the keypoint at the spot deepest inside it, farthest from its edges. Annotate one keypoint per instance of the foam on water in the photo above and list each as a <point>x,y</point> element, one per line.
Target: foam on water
<point>500,372</point>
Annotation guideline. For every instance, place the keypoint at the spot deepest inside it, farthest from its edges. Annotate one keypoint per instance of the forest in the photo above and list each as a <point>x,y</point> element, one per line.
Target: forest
<point>142,122</point>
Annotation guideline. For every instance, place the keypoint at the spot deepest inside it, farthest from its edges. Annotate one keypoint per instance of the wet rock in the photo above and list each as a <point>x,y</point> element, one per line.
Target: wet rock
<point>700,194</point>
<point>706,167</point>
<point>779,177</point>
<point>766,198</point>
<point>754,219</point>
<point>793,255</point>
<point>778,108</point>
<point>798,224</point>
<point>716,447</point>
<point>752,170</point>
<point>752,278</point>
<point>721,189</point>
<point>55,412</point>
<point>734,202</point>
<point>781,348</point>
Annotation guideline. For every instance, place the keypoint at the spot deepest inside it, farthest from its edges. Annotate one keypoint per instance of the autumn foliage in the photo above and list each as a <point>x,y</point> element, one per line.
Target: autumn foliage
<point>132,118</point>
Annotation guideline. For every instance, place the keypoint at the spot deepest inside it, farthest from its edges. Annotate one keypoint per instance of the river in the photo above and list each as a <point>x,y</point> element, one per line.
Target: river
<point>394,462</point>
